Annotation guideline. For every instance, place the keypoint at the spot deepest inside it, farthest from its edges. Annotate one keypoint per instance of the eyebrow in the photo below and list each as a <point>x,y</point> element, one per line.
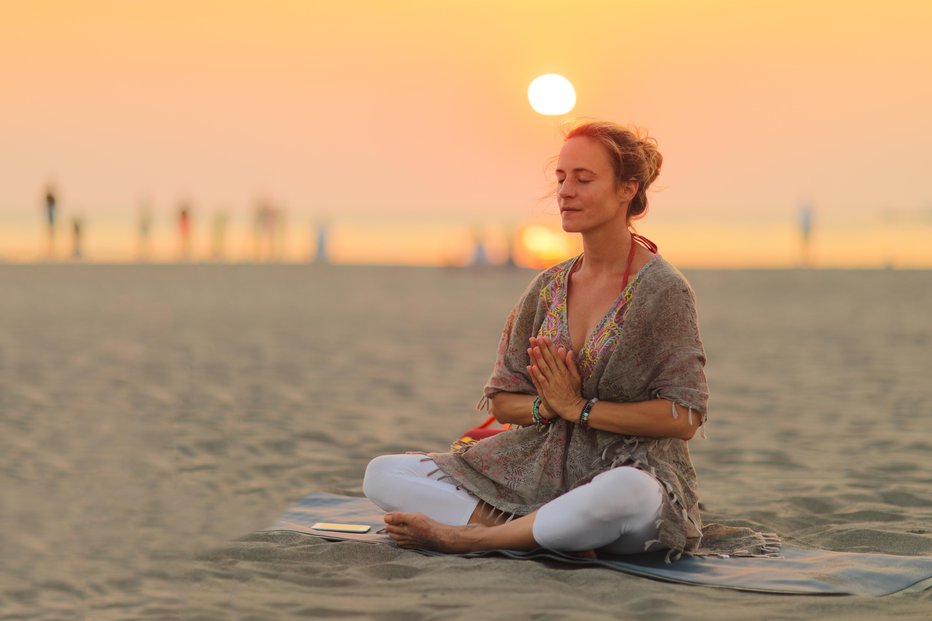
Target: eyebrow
<point>576,170</point>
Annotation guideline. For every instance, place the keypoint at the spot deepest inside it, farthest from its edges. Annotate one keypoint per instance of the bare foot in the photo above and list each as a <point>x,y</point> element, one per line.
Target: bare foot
<point>416,530</point>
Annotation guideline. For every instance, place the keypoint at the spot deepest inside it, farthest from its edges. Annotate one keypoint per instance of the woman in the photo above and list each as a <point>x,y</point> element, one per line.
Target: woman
<point>601,365</point>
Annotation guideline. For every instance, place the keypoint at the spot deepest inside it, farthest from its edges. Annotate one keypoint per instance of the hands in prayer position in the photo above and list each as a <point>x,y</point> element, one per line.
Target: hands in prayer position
<point>556,378</point>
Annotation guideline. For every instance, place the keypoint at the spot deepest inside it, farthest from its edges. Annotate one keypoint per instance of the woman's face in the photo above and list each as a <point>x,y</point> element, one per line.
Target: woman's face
<point>587,193</point>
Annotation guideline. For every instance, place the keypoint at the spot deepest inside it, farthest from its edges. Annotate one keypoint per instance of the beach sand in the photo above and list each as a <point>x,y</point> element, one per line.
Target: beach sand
<point>153,418</point>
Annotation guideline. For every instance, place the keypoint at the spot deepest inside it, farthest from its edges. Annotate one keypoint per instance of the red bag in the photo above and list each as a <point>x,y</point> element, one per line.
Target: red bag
<point>471,436</point>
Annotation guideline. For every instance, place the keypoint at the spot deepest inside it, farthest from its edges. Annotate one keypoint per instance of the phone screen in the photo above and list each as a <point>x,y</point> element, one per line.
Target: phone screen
<point>342,528</point>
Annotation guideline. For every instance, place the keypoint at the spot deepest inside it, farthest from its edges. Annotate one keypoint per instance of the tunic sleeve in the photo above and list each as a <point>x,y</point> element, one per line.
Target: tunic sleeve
<point>510,371</point>
<point>676,356</point>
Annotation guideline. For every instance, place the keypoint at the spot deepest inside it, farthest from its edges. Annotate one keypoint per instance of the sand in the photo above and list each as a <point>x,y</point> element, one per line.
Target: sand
<point>153,418</point>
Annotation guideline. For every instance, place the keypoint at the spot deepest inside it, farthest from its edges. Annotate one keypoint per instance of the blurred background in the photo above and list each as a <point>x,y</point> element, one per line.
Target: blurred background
<point>156,410</point>
<point>369,132</point>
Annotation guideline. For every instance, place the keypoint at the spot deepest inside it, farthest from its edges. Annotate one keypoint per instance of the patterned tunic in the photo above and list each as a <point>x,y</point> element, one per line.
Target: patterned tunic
<point>647,346</point>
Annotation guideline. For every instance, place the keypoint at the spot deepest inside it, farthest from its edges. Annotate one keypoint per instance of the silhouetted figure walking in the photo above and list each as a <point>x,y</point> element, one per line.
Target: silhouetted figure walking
<point>323,234</point>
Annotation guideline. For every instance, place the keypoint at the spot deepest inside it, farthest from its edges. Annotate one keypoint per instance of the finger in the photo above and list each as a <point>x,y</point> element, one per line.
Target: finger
<point>535,358</point>
<point>537,378</point>
<point>566,356</point>
<point>542,355</point>
<point>571,365</point>
<point>549,355</point>
<point>530,372</point>
<point>542,363</point>
<point>561,353</point>
<point>541,384</point>
<point>560,376</point>
<point>555,352</point>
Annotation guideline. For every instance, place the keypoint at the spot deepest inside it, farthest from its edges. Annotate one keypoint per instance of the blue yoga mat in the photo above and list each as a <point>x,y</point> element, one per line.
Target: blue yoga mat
<point>799,571</point>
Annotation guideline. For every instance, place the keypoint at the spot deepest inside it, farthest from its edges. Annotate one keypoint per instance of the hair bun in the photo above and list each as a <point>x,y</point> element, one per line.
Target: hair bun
<point>634,155</point>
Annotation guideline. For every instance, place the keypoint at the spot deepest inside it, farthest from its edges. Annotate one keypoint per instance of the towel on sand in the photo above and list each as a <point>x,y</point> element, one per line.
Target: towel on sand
<point>798,571</point>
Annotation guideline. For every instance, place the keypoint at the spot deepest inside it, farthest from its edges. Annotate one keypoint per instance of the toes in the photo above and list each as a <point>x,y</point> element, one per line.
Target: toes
<point>408,530</point>
<point>395,517</point>
<point>401,539</point>
<point>394,528</point>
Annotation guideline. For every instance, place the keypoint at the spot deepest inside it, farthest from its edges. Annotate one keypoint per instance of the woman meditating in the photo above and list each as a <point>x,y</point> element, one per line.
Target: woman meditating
<point>600,373</point>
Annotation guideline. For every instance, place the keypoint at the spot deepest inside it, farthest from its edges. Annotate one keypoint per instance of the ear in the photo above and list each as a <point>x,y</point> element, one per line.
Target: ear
<point>627,190</point>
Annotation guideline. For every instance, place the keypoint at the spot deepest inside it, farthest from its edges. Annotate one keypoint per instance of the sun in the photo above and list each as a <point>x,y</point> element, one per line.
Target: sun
<point>540,246</point>
<point>551,94</point>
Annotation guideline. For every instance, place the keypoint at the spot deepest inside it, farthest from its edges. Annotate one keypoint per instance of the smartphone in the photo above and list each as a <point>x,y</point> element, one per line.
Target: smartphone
<point>342,528</point>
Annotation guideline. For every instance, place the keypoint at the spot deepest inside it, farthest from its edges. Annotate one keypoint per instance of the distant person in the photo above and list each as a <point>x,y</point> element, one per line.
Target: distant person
<point>510,256</point>
<point>51,213</point>
<point>278,236</point>
<point>321,251</point>
<point>600,366</point>
<point>480,257</point>
<point>184,232</point>
<point>264,231</point>
<point>77,251</point>
<point>145,233</point>
<point>805,230</point>
<point>268,231</point>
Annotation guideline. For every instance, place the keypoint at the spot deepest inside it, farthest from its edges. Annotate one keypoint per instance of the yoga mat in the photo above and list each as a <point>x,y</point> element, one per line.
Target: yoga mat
<point>800,571</point>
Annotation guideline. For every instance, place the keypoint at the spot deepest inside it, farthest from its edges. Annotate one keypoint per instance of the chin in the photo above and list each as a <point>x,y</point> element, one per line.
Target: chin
<point>569,227</point>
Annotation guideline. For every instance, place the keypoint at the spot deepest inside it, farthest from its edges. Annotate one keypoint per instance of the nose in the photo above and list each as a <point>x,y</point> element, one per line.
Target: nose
<point>565,189</point>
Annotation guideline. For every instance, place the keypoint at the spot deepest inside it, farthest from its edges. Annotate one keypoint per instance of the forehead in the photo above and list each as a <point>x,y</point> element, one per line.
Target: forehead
<point>583,152</point>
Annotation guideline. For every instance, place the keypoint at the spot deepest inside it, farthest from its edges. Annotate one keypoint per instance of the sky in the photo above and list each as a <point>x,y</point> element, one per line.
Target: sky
<point>405,127</point>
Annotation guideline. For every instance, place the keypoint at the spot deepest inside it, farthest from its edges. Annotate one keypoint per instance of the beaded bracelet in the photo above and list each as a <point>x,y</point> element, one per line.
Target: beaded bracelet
<point>584,415</point>
<point>539,420</point>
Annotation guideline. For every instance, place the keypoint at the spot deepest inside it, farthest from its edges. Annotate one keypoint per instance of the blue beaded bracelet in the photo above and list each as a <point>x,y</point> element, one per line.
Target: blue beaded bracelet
<point>539,420</point>
<point>584,415</point>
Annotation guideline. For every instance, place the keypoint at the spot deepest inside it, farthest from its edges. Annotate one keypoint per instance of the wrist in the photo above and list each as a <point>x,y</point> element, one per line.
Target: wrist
<point>585,412</point>
<point>573,410</point>
<point>537,413</point>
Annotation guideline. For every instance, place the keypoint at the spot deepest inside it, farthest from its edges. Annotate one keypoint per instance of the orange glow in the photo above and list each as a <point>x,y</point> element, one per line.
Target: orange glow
<point>411,118</point>
<point>540,246</point>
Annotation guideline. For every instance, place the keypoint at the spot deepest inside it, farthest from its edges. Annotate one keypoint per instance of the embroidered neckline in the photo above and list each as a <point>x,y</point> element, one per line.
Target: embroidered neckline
<point>623,298</point>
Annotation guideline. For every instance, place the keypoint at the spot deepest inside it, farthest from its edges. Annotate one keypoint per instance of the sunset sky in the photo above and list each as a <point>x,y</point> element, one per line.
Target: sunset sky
<point>406,126</point>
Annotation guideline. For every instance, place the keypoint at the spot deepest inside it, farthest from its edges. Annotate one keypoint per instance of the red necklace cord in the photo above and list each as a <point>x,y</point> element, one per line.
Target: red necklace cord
<point>624,283</point>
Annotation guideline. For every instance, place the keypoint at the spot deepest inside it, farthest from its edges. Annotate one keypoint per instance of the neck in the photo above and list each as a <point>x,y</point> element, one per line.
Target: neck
<point>606,250</point>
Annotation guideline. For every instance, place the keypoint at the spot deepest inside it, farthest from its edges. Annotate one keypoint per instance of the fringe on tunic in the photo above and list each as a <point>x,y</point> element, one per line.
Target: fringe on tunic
<point>647,346</point>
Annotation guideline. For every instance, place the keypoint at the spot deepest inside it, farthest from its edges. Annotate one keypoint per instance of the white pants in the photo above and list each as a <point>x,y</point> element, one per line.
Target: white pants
<point>617,511</point>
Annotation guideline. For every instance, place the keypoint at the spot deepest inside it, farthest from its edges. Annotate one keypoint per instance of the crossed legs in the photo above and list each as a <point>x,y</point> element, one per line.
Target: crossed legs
<point>617,511</point>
